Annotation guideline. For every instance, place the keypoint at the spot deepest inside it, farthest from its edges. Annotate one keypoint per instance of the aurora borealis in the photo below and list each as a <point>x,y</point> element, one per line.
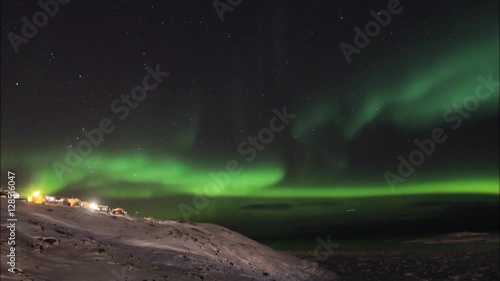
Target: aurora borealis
<point>353,120</point>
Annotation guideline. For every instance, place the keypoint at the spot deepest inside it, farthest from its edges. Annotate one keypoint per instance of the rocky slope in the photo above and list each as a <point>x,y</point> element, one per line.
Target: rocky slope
<point>63,243</point>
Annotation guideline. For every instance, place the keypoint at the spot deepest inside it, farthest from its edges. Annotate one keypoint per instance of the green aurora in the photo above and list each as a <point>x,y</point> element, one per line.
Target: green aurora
<point>316,169</point>
<point>419,96</point>
<point>138,176</point>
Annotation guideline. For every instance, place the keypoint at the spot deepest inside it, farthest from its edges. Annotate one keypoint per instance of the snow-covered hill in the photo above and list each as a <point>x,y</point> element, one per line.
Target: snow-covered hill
<point>61,243</point>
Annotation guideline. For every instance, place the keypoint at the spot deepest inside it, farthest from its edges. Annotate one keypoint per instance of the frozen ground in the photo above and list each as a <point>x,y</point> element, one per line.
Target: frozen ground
<point>61,243</point>
<point>452,257</point>
<point>459,265</point>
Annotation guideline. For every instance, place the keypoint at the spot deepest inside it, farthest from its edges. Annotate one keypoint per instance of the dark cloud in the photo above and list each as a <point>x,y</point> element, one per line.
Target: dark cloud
<point>319,203</point>
<point>427,204</point>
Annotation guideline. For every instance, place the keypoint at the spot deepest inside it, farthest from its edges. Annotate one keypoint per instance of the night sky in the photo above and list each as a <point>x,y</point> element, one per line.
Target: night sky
<point>430,74</point>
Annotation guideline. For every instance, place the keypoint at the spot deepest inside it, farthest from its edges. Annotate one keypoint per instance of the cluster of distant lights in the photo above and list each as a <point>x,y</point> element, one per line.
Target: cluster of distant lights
<point>92,205</point>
